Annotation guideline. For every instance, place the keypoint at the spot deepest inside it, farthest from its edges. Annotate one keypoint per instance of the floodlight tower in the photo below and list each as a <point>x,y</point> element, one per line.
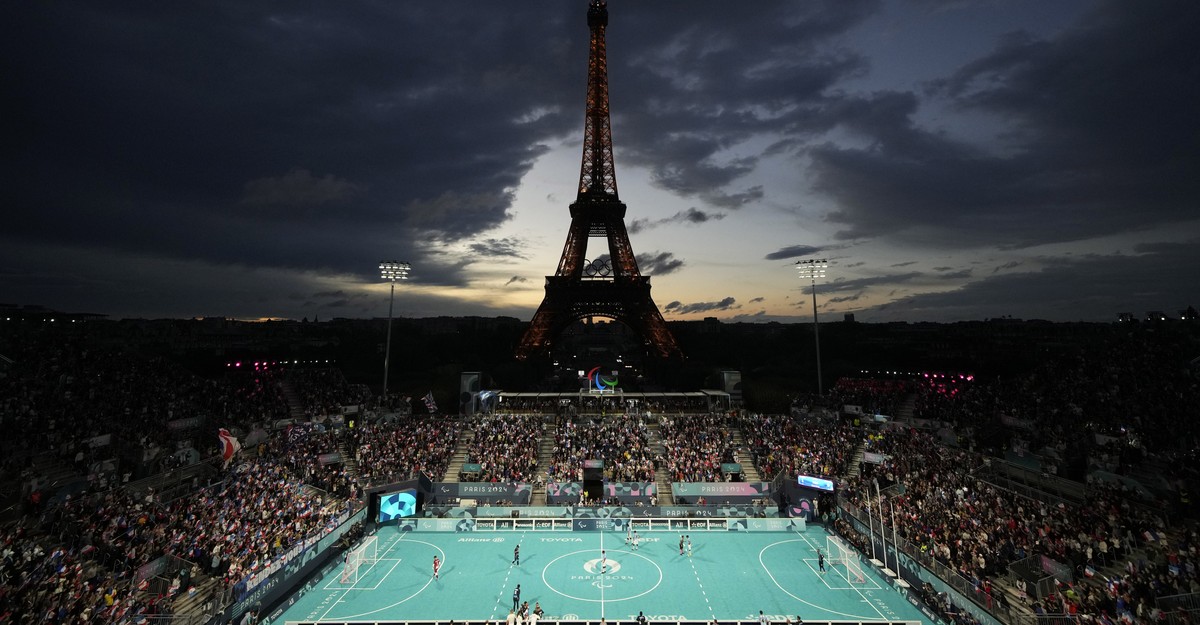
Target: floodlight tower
<point>391,271</point>
<point>811,270</point>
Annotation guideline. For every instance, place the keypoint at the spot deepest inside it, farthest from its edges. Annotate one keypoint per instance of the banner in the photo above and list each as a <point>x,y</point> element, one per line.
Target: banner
<point>600,525</point>
<point>485,491</point>
<point>445,525</point>
<point>718,492</point>
<point>852,409</point>
<point>1061,572</point>
<point>871,457</point>
<point>767,525</point>
<point>629,492</point>
<point>504,512</point>
<point>330,458</point>
<point>276,581</point>
<point>447,513</point>
<point>626,492</point>
<point>99,441</point>
<point>563,492</point>
<point>189,423</point>
<point>731,467</point>
<point>150,569</point>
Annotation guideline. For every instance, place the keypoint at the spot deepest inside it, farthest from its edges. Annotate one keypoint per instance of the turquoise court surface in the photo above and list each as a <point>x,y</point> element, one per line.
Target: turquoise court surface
<point>729,576</point>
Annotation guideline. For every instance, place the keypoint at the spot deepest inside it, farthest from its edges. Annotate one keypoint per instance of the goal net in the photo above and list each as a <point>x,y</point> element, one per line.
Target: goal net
<point>358,559</point>
<point>844,559</point>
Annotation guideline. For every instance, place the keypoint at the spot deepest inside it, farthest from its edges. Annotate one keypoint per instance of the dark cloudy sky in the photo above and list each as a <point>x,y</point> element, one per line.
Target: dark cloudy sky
<point>953,159</point>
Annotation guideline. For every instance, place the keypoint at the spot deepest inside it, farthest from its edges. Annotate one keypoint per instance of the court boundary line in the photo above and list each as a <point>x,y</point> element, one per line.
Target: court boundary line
<point>864,597</point>
<point>877,602</point>
<point>858,617</point>
<point>387,607</point>
<point>347,591</point>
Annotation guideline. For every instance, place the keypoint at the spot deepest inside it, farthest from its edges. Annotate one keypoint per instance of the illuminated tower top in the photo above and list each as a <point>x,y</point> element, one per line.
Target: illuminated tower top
<point>597,175</point>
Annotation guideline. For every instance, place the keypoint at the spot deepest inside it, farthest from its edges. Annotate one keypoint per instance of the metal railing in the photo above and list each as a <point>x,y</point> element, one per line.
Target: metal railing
<point>965,587</point>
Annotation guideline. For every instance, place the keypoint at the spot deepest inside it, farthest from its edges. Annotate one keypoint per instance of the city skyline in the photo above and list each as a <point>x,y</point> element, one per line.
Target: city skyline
<point>952,160</point>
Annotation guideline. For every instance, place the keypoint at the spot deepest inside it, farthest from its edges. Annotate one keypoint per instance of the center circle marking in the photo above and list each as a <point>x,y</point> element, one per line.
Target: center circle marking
<point>612,564</point>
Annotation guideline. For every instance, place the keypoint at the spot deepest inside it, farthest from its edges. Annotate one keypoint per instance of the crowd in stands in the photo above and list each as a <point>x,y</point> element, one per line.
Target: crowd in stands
<point>798,447</point>
<point>506,448</point>
<point>873,396</point>
<point>1128,388</point>
<point>978,529</point>
<point>399,450</point>
<point>308,450</point>
<point>325,391</point>
<point>77,562</point>
<point>620,441</point>
<point>696,446</point>
<point>73,559</point>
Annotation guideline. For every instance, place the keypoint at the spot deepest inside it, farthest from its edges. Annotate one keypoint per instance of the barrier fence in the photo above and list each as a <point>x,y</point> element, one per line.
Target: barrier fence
<point>610,524</point>
<point>773,620</point>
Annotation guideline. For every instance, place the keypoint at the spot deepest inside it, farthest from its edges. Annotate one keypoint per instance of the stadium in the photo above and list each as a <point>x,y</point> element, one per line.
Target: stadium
<point>143,492</point>
<point>601,462</point>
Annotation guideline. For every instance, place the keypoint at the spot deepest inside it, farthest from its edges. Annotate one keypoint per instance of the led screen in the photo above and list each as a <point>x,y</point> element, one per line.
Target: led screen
<point>815,482</point>
<point>397,505</point>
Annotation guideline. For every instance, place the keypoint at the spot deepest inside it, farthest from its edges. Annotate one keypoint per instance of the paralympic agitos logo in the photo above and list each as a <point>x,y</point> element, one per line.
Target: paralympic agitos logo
<point>601,383</point>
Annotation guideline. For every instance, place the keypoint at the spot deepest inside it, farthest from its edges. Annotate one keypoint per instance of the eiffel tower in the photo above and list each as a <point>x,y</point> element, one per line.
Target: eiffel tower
<point>610,285</point>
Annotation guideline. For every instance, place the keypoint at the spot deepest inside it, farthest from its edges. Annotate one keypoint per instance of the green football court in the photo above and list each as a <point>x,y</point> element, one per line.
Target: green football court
<point>729,576</point>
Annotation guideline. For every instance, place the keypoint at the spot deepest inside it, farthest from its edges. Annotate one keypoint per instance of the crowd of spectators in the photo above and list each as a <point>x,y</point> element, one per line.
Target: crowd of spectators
<point>401,449</point>
<point>506,448</point>
<point>77,562</point>
<point>620,441</point>
<point>312,453</point>
<point>324,391</point>
<point>1126,388</point>
<point>798,446</point>
<point>873,396</point>
<point>978,529</point>
<point>696,446</point>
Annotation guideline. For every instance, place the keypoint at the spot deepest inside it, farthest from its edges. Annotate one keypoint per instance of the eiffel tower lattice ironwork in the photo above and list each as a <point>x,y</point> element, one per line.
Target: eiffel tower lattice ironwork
<point>610,285</point>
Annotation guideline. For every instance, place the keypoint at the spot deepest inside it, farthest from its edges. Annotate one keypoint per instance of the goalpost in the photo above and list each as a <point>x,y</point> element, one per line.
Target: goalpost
<point>365,553</point>
<point>844,559</point>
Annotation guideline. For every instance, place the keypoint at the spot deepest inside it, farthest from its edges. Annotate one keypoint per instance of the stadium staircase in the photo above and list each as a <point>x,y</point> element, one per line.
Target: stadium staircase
<point>907,408</point>
<point>545,458</point>
<point>349,459</point>
<point>56,475</point>
<point>854,468</point>
<point>295,404</point>
<point>197,607</point>
<point>661,478</point>
<point>461,448</point>
<point>749,471</point>
<point>1149,474</point>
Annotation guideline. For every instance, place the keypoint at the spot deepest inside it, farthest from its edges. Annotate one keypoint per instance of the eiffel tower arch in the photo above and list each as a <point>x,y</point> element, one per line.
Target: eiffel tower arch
<point>609,284</point>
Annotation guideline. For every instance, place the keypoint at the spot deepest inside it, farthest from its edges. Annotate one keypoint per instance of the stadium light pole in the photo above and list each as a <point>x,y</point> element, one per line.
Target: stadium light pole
<point>882,528</point>
<point>813,269</point>
<point>895,540</point>
<point>391,271</point>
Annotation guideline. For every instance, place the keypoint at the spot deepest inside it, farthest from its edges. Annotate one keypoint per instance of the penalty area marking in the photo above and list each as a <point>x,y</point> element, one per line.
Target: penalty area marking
<point>767,569</point>
<point>392,605</point>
